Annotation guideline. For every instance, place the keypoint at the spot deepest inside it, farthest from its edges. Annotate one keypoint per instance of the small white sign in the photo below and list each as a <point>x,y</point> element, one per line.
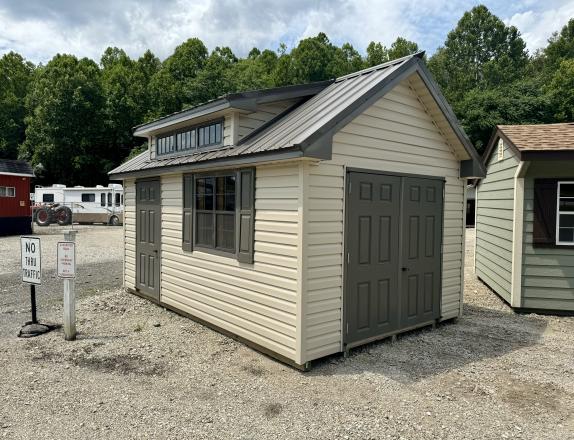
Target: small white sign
<point>31,260</point>
<point>66,259</point>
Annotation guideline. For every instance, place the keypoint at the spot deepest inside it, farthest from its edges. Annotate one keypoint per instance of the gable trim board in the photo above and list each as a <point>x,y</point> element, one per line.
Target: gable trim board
<point>290,301</point>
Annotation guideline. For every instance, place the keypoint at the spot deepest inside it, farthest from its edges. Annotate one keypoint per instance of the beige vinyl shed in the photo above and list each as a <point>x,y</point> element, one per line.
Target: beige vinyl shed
<point>304,220</point>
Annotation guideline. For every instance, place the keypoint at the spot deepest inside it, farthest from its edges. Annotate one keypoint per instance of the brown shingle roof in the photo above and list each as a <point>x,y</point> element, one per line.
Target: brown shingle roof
<point>541,137</point>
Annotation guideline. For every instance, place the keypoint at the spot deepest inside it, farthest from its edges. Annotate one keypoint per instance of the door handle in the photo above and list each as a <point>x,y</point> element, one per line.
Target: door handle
<point>405,269</point>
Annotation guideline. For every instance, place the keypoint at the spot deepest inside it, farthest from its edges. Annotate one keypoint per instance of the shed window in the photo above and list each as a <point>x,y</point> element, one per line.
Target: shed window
<point>88,197</point>
<point>48,198</point>
<point>209,135</point>
<point>215,212</point>
<point>219,213</point>
<point>7,191</point>
<point>565,214</point>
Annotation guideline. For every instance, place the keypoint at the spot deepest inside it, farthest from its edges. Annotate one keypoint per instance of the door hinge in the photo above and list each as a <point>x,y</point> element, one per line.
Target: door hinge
<point>348,257</point>
<point>350,187</point>
<point>347,328</point>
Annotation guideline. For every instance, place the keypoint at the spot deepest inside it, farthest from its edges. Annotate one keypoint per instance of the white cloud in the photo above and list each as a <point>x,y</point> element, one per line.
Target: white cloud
<point>38,29</point>
<point>536,26</point>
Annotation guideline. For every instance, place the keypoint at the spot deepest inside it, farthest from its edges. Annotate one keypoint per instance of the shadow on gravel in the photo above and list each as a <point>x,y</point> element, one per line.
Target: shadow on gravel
<point>480,334</point>
<point>124,364</point>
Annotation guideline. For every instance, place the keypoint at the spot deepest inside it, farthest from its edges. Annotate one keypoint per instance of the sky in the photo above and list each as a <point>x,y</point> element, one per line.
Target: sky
<point>38,29</point>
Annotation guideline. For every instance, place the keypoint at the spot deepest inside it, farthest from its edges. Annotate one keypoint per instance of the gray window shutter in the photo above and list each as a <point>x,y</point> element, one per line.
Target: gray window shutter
<point>245,215</point>
<point>187,220</point>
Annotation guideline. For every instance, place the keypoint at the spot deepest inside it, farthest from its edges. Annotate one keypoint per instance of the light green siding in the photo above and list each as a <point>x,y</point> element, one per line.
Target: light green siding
<point>547,273</point>
<point>494,219</point>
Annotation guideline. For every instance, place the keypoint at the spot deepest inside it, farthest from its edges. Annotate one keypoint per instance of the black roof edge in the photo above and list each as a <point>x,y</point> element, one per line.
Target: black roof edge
<point>242,100</point>
<point>235,161</point>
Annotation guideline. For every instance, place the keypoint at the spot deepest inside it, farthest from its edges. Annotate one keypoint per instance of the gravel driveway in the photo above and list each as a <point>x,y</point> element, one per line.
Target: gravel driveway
<point>139,371</point>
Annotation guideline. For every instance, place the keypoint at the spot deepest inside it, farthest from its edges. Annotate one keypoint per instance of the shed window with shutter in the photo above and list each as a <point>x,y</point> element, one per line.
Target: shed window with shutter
<point>565,214</point>
<point>218,213</point>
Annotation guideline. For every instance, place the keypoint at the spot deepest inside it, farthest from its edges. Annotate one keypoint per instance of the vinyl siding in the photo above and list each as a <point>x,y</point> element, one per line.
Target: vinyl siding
<point>494,223</point>
<point>255,301</point>
<point>129,234</point>
<point>396,135</point>
<point>547,273</point>
<point>265,112</point>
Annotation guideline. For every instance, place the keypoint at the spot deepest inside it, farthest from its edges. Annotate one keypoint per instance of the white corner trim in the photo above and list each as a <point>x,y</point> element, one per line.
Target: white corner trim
<point>475,225</point>
<point>463,264</point>
<point>517,235</point>
<point>301,343</point>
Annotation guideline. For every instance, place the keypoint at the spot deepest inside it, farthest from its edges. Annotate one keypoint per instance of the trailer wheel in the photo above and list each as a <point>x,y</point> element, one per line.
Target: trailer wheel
<point>114,221</point>
<point>44,216</point>
<point>63,215</point>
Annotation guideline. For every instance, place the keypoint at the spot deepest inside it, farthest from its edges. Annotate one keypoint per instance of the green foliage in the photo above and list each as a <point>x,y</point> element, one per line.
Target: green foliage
<point>480,52</point>
<point>378,54</point>
<point>517,103</point>
<point>15,76</point>
<point>561,91</point>
<point>65,122</point>
<point>73,119</point>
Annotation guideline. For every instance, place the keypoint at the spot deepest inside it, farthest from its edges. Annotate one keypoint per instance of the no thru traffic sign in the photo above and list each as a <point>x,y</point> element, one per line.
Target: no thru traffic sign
<point>31,260</point>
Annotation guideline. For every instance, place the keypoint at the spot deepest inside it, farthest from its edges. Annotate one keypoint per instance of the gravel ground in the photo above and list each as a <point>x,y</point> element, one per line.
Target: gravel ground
<point>139,371</point>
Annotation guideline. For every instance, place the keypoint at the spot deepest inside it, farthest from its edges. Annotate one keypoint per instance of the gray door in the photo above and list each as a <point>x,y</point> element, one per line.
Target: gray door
<point>421,250</point>
<point>148,237</point>
<point>393,241</point>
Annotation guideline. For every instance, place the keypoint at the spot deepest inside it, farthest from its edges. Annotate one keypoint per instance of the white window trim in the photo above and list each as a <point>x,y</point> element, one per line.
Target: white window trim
<point>558,242</point>
<point>6,188</point>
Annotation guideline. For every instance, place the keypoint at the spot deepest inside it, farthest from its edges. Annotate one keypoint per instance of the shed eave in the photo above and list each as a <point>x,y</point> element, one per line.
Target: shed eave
<point>246,160</point>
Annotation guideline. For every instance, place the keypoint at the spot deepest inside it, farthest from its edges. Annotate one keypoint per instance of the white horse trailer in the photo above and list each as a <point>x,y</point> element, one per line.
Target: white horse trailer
<point>78,204</point>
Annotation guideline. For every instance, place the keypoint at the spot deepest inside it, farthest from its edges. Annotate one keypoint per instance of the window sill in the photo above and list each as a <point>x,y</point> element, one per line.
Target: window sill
<point>221,253</point>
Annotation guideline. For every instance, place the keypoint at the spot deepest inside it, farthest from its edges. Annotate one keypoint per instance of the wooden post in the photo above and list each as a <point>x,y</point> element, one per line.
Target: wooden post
<point>69,298</point>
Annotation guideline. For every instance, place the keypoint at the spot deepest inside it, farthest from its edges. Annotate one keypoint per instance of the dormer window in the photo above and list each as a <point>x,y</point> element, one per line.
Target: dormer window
<point>189,139</point>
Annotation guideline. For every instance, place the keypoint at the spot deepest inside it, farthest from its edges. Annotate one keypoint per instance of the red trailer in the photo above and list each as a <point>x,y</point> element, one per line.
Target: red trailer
<point>15,212</point>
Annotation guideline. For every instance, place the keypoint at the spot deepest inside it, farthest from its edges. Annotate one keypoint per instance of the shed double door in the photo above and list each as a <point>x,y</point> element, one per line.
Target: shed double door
<point>148,206</point>
<point>394,238</point>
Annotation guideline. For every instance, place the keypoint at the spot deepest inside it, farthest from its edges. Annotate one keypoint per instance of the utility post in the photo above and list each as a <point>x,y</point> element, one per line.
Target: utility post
<point>67,271</point>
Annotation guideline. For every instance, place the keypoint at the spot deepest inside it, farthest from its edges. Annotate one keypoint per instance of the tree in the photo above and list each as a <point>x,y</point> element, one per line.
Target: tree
<point>518,103</point>
<point>480,52</point>
<point>255,71</point>
<point>216,78</point>
<point>560,47</point>
<point>15,76</point>
<point>402,48</point>
<point>172,87</point>
<point>378,54</point>
<point>124,86</point>
<point>561,91</point>
<point>65,122</point>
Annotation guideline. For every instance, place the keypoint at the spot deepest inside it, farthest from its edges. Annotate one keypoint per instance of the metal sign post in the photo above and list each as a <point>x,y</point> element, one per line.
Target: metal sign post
<point>66,259</point>
<point>31,260</point>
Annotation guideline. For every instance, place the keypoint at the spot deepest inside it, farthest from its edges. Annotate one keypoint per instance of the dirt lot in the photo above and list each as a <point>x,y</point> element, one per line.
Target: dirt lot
<point>138,371</point>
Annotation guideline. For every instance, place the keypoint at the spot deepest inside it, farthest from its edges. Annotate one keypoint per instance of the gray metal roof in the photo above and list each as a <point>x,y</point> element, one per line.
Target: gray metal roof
<point>307,129</point>
<point>241,100</point>
<point>16,167</point>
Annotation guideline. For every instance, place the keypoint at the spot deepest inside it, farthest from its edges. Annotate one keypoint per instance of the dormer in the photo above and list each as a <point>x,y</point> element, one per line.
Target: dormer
<point>223,122</point>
